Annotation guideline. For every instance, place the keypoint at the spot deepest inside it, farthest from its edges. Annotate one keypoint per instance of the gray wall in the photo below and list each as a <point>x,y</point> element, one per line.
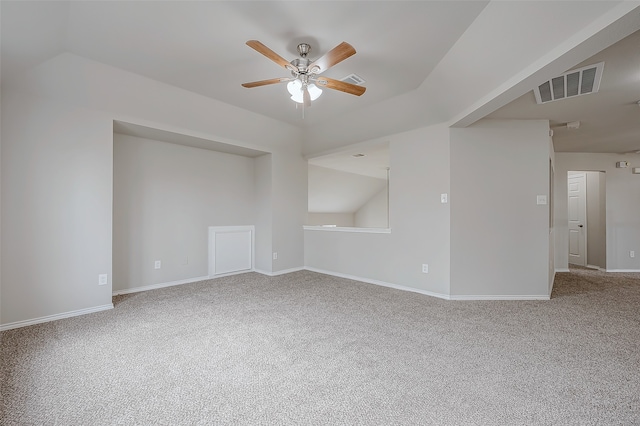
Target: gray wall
<point>289,207</point>
<point>56,208</point>
<point>622,207</point>
<point>165,196</point>
<point>374,213</point>
<point>338,219</point>
<point>499,235</point>
<point>263,213</point>
<point>57,183</point>
<point>596,220</point>
<point>490,241</point>
<point>336,191</point>
<point>419,222</point>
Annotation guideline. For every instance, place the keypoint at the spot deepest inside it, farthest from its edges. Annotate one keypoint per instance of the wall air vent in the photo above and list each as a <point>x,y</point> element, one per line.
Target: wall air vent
<point>582,81</point>
<point>353,79</point>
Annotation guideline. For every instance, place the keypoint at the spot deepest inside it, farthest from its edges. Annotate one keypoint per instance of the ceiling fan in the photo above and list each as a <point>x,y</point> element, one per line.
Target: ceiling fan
<point>305,74</point>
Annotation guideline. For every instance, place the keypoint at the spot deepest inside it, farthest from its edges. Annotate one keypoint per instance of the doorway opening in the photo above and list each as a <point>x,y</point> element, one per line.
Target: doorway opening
<point>587,219</point>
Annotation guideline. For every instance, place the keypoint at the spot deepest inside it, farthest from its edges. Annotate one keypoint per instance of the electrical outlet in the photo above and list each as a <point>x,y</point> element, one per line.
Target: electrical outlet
<point>103,279</point>
<point>157,264</point>
<point>275,255</point>
<point>444,198</point>
<point>425,268</point>
<point>632,253</point>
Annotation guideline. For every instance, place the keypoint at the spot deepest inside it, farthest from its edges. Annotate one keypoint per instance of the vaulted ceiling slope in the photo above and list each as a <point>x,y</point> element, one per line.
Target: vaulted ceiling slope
<point>423,62</point>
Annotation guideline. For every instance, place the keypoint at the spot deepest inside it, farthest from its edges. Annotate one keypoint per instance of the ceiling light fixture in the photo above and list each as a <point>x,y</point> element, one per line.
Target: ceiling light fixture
<point>305,74</point>
<point>296,90</point>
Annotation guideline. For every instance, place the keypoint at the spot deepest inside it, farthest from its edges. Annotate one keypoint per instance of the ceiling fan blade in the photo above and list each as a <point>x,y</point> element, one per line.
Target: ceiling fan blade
<point>261,48</point>
<point>332,57</point>
<point>330,83</point>
<point>265,82</point>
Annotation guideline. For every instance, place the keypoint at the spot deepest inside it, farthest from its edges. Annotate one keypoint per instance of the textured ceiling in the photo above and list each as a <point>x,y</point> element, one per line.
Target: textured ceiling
<point>609,120</point>
<point>200,46</point>
<point>424,62</point>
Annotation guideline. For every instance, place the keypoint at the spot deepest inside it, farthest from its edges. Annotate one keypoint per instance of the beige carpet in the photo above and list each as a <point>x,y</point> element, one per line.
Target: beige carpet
<point>306,348</point>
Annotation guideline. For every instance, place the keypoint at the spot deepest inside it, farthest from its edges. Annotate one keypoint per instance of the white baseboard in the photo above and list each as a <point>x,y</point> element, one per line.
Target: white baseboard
<point>430,293</point>
<point>55,317</point>
<point>161,285</point>
<point>282,272</point>
<point>562,270</point>
<point>623,270</point>
<point>501,297</point>
<point>376,282</point>
<point>597,268</point>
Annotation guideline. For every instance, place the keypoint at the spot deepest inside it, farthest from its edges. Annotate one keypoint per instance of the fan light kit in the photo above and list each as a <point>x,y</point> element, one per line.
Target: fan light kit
<point>295,90</point>
<point>305,82</point>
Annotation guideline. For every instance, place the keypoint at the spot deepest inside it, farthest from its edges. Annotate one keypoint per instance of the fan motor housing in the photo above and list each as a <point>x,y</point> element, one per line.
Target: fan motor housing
<point>301,64</point>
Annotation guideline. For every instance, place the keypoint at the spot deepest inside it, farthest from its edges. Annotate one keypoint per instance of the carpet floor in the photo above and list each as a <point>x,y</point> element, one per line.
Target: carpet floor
<point>306,348</point>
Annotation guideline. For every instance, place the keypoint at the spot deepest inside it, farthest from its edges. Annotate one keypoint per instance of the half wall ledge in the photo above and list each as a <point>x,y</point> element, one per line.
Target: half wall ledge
<point>347,229</point>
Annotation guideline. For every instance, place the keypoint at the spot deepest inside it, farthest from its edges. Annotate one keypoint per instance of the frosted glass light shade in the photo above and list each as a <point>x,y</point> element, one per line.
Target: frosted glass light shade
<point>295,89</point>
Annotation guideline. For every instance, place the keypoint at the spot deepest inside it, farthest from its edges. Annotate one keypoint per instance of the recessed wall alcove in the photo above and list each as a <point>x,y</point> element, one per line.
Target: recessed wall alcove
<point>168,189</point>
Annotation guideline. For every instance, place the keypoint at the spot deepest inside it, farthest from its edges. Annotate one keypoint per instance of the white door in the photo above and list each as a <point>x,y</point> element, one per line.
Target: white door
<point>578,219</point>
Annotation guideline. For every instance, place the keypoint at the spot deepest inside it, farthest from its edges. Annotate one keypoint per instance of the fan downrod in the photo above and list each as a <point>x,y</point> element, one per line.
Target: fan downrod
<point>304,49</point>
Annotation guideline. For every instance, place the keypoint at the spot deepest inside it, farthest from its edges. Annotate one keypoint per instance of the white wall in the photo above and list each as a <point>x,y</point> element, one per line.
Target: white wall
<point>499,235</point>
<point>56,208</point>
<point>374,213</point>
<point>165,196</point>
<point>57,164</point>
<point>336,191</point>
<point>289,207</point>
<point>596,219</point>
<point>338,219</point>
<point>263,213</point>
<point>622,207</point>
<point>551,200</point>
<point>419,222</point>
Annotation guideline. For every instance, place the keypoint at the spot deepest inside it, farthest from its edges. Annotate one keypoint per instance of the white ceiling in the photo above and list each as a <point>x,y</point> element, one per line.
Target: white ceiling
<point>609,120</point>
<point>371,160</point>
<point>200,46</point>
<point>423,61</point>
<point>333,191</point>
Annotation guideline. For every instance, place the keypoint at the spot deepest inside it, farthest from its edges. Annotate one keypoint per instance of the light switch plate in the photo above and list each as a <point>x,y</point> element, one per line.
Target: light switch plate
<point>444,198</point>
<point>541,200</point>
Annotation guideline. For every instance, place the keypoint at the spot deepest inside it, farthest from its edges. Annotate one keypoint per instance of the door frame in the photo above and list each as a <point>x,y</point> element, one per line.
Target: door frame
<point>582,206</point>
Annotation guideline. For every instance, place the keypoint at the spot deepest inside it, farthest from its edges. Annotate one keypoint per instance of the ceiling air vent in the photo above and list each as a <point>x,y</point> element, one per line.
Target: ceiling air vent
<point>578,82</point>
<point>353,79</point>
